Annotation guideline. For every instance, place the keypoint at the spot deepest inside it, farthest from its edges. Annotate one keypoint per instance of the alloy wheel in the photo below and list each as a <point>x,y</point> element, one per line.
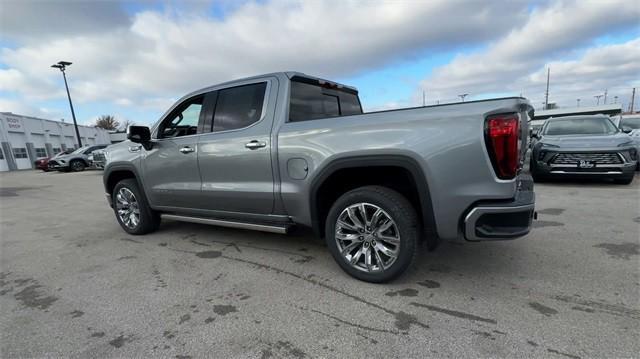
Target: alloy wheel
<point>367,237</point>
<point>127,208</point>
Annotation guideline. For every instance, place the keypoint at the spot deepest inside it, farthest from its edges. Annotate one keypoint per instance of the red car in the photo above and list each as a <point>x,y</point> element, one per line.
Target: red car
<point>43,163</point>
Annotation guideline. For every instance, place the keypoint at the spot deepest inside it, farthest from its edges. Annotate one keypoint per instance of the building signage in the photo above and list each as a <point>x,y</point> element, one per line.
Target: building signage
<point>14,124</point>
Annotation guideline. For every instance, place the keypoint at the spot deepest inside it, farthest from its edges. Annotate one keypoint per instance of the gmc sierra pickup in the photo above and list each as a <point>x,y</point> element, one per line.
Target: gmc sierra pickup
<point>286,149</point>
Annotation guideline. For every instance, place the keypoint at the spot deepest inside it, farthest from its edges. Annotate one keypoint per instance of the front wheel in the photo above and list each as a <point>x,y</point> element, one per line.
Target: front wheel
<point>372,232</point>
<point>77,166</point>
<point>132,210</point>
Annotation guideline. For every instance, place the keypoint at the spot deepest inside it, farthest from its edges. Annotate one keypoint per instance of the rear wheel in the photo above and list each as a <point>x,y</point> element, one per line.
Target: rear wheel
<point>77,165</point>
<point>372,232</point>
<point>132,210</point>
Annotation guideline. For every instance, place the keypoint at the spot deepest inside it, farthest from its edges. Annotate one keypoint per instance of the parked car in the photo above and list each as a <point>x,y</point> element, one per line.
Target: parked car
<point>630,124</point>
<point>99,158</point>
<point>583,146</point>
<point>535,126</point>
<point>75,161</point>
<point>43,163</point>
<point>287,149</point>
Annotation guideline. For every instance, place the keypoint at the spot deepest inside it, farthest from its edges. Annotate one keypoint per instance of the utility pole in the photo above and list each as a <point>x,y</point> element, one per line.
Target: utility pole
<point>423,99</point>
<point>598,97</point>
<point>633,99</point>
<point>546,94</point>
<point>605,97</point>
<point>62,65</point>
<point>462,96</point>
<point>578,102</point>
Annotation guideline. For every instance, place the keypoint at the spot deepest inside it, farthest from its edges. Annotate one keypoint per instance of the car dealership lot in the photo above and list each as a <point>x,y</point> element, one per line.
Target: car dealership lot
<point>73,284</point>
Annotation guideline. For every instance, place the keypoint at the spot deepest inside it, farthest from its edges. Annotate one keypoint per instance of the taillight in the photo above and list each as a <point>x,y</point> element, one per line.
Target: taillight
<point>502,137</point>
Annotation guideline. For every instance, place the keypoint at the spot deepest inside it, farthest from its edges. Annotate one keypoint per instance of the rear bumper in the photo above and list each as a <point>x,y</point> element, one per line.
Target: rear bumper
<point>488,221</point>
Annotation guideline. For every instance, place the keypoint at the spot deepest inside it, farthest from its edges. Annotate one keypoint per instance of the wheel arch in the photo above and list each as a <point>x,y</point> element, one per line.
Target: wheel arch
<point>116,173</point>
<point>423,202</point>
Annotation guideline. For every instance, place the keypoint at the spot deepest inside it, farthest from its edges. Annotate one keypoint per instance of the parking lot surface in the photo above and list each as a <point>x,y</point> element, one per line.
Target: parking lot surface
<point>73,284</point>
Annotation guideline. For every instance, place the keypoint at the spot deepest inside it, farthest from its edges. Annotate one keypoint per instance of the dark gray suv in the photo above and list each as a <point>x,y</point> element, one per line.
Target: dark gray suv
<point>583,146</point>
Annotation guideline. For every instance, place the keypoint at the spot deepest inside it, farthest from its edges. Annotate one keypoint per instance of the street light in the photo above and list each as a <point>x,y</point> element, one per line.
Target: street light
<point>598,97</point>
<point>578,102</point>
<point>62,65</point>
<point>462,96</point>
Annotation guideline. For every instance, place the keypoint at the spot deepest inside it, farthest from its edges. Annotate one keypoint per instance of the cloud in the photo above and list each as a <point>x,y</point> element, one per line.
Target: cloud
<point>513,63</point>
<point>614,68</point>
<point>35,21</point>
<point>158,55</point>
<point>22,108</point>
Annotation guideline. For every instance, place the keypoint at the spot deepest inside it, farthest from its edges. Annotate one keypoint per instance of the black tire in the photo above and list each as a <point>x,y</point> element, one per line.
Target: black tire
<point>149,220</point>
<point>398,209</point>
<point>77,165</point>
<point>626,180</point>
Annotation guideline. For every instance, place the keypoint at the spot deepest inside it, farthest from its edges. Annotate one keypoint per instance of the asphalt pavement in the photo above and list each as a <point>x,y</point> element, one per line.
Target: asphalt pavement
<point>73,284</point>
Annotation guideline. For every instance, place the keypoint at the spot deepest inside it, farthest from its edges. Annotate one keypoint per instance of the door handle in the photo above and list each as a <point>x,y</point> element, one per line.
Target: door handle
<point>255,144</point>
<point>186,149</point>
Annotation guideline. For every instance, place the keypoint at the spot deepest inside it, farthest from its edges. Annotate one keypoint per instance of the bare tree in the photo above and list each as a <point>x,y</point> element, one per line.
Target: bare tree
<point>107,122</point>
<point>124,125</point>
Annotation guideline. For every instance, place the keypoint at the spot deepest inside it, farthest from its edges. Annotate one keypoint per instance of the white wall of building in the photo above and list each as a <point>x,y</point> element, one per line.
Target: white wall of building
<point>40,138</point>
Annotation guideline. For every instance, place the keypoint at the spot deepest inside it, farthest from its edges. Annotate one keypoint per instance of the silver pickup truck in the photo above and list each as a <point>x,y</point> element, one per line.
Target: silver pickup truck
<point>286,149</point>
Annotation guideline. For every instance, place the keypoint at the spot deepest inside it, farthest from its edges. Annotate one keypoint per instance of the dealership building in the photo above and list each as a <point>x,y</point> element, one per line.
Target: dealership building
<point>25,139</point>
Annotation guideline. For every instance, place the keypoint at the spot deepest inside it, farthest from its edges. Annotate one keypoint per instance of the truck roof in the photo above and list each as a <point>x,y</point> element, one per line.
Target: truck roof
<point>288,74</point>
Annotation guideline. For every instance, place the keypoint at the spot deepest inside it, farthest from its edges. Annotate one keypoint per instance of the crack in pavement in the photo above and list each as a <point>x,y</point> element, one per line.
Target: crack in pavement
<point>355,325</point>
<point>454,313</point>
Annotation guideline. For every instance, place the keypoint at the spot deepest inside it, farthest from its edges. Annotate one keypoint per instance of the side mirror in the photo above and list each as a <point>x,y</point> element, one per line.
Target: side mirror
<point>626,129</point>
<point>141,135</point>
<point>534,134</point>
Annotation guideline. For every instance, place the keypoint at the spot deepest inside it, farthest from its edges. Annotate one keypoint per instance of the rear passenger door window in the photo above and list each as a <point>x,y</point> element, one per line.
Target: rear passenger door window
<point>239,107</point>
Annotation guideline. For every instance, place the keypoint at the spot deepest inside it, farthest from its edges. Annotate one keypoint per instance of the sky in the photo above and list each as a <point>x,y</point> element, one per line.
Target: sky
<point>133,59</point>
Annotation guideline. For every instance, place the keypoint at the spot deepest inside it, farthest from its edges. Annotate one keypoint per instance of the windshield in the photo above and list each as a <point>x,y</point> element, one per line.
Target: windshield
<point>580,126</point>
<point>633,123</point>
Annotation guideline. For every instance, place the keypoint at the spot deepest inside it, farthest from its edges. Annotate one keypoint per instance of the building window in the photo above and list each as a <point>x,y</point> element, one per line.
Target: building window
<point>1,155</point>
<point>41,152</point>
<point>20,153</point>
<point>57,150</point>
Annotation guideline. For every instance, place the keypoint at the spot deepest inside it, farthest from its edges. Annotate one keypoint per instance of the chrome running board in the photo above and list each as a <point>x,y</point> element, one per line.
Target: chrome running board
<point>231,224</point>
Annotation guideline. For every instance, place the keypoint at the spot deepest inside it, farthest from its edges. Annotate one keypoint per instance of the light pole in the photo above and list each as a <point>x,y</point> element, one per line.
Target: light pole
<point>578,102</point>
<point>462,96</point>
<point>598,97</point>
<point>62,65</point>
